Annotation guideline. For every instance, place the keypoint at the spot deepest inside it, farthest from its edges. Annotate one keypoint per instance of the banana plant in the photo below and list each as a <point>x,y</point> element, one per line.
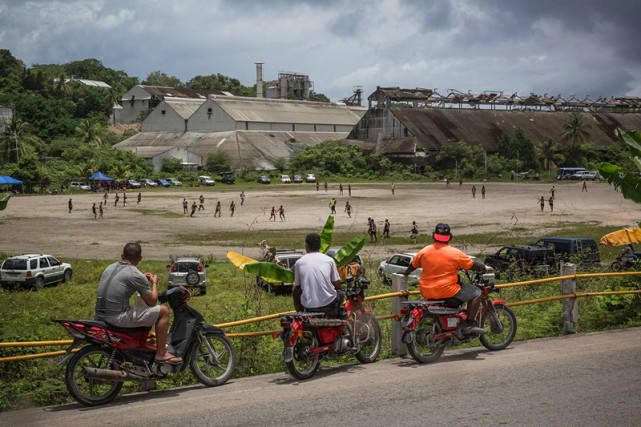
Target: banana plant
<point>275,273</point>
<point>628,182</point>
<point>4,199</point>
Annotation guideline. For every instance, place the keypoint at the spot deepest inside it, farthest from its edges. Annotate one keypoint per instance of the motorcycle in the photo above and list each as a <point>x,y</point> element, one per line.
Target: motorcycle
<point>309,337</point>
<point>95,374</point>
<point>621,264</point>
<point>431,325</point>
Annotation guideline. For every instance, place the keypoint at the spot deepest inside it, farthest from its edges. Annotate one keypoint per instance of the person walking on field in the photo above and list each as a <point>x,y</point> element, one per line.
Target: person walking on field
<point>483,192</point>
<point>551,203</point>
<point>474,191</point>
<point>393,188</point>
<point>332,206</point>
<point>100,210</point>
<point>585,186</point>
<point>193,209</point>
<point>349,190</point>
<point>317,186</point>
<point>552,190</point>
<point>272,214</point>
<point>116,200</point>
<point>281,213</point>
<point>70,205</point>
<point>374,231</point>
<point>105,198</point>
<point>217,212</point>
<point>542,203</point>
<point>340,189</point>
<point>232,207</point>
<point>242,198</point>
<point>185,206</point>
<point>124,199</point>
<point>386,228</point>
<point>348,209</point>
<point>139,198</point>
<point>201,201</point>
<point>326,186</point>
<point>93,210</point>
<point>413,232</point>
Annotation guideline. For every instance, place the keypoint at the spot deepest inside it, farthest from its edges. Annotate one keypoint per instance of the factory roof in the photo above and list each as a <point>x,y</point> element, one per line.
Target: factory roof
<point>185,107</point>
<point>245,109</point>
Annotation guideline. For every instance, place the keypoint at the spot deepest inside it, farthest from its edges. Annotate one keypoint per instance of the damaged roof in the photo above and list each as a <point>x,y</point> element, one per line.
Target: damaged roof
<point>185,107</point>
<point>179,92</point>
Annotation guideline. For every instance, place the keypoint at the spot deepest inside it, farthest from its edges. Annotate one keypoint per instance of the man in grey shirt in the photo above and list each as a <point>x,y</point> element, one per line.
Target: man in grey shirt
<point>118,283</point>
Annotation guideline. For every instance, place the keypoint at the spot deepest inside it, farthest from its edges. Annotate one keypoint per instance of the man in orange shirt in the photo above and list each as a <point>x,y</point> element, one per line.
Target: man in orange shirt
<point>440,263</point>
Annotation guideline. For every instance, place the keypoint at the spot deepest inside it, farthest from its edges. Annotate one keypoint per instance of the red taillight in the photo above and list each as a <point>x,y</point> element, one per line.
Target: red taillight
<point>173,268</point>
<point>28,274</point>
<point>200,267</point>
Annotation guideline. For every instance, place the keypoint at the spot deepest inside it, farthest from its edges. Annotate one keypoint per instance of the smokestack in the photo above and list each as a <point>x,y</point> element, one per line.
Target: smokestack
<point>259,79</point>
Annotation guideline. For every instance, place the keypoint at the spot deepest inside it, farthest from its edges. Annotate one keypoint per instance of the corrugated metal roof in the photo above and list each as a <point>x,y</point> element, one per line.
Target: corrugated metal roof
<point>185,107</point>
<point>286,111</point>
<point>86,82</point>
<point>179,92</point>
<point>260,148</point>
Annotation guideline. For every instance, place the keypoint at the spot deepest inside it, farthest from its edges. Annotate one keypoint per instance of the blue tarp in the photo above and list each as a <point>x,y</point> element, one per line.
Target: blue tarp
<point>98,176</point>
<point>9,180</point>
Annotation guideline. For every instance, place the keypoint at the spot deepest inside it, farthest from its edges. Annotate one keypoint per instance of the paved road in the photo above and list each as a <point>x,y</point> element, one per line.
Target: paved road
<point>590,379</point>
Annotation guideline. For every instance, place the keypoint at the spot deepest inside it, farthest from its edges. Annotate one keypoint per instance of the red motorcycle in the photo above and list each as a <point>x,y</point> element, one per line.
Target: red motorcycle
<point>95,374</point>
<point>309,337</point>
<point>431,325</point>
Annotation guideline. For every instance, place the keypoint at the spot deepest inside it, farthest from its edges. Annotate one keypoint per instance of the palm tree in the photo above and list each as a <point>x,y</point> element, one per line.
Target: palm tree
<point>16,138</point>
<point>549,154</point>
<point>575,130</point>
<point>88,130</point>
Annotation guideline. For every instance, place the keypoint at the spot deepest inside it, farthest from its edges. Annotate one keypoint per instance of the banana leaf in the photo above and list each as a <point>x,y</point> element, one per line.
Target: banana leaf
<point>326,235</point>
<point>4,199</point>
<point>346,254</point>
<point>622,237</point>
<point>271,272</point>
<point>239,260</point>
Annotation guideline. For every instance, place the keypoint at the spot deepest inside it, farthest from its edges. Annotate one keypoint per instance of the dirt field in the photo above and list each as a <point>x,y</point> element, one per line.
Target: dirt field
<point>42,223</point>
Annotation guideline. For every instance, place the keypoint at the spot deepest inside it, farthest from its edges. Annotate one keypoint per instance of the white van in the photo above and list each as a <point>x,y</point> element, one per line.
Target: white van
<point>206,180</point>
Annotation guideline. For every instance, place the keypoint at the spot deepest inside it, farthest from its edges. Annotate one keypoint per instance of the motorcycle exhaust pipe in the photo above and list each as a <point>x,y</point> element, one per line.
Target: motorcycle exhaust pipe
<point>110,374</point>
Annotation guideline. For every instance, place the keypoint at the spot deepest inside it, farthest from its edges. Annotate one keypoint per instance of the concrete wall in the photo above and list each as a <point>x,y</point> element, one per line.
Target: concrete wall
<point>169,121</point>
<point>178,153</point>
<point>131,109</point>
<point>216,121</point>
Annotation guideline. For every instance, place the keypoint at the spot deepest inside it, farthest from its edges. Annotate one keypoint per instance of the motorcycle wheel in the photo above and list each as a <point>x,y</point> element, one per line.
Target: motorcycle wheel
<point>304,365</point>
<point>213,366</point>
<point>500,328</point>
<point>421,349</point>
<point>89,391</point>
<point>616,266</point>
<point>369,338</point>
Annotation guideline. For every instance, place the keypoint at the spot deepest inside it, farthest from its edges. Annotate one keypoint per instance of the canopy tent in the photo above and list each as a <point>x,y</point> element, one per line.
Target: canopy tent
<point>9,180</point>
<point>622,237</point>
<point>98,176</point>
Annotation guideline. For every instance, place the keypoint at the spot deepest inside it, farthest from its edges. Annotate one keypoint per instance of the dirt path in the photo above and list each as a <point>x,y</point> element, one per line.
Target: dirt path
<point>42,223</point>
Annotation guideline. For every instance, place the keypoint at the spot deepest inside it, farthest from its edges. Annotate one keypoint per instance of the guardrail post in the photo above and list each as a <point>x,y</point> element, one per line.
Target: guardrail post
<point>399,283</point>
<point>570,306</point>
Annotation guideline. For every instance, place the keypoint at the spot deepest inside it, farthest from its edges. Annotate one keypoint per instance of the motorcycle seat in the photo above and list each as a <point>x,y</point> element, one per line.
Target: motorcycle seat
<point>105,325</point>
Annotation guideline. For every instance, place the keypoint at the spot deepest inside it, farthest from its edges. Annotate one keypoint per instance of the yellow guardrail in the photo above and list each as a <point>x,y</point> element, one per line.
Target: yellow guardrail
<point>370,298</point>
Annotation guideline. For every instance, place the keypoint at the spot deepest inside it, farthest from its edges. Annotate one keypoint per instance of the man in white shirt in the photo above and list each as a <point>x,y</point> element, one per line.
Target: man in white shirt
<point>317,279</point>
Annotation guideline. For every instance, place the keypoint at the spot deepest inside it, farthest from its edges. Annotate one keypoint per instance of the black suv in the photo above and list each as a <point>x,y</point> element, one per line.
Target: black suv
<point>511,260</point>
<point>566,247</point>
<point>228,178</point>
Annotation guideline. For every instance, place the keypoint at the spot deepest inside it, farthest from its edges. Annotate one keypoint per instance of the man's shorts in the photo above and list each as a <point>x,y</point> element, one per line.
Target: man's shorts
<point>467,292</point>
<point>136,317</point>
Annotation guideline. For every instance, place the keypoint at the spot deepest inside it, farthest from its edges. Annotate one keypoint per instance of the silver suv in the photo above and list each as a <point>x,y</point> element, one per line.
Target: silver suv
<point>398,263</point>
<point>34,270</point>
<point>188,272</point>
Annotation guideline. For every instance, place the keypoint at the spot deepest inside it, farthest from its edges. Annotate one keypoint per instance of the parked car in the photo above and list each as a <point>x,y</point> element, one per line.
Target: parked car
<point>206,180</point>
<point>79,186</point>
<point>310,177</point>
<point>228,178</point>
<point>284,179</point>
<point>566,247</point>
<point>263,180</point>
<point>531,259</point>
<point>298,179</point>
<point>398,263</point>
<point>173,181</point>
<point>163,183</point>
<point>133,184</point>
<point>188,272</point>
<point>566,173</point>
<point>148,183</point>
<point>34,270</point>
<point>585,175</point>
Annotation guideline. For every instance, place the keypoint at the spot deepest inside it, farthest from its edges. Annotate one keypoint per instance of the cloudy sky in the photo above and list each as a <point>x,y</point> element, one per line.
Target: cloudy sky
<point>582,47</point>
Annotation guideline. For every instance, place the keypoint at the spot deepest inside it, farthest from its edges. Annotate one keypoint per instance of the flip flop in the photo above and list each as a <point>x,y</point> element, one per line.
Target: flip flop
<point>171,361</point>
